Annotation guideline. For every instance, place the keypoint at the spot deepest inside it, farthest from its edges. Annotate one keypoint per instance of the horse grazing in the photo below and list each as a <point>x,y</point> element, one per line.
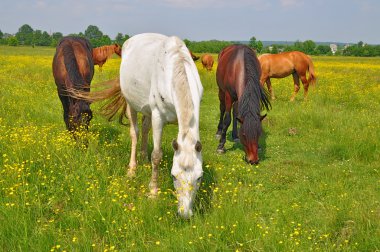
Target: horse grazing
<point>193,56</point>
<point>73,69</point>
<point>207,61</point>
<point>238,78</point>
<point>101,54</point>
<point>284,64</point>
<point>166,90</point>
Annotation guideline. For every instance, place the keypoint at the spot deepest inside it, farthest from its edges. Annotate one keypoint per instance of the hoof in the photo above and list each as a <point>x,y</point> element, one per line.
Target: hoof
<point>221,151</point>
<point>153,194</point>
<point>218,136</point>
<point>236,140</point>
<point>131,172</point>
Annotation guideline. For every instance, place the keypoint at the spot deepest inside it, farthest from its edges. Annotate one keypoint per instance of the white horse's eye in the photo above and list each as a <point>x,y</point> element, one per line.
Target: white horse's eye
<point>199,179</point>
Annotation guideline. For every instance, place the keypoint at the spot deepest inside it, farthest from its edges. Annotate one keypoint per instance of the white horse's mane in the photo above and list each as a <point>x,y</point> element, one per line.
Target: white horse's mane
<point>182,90</point>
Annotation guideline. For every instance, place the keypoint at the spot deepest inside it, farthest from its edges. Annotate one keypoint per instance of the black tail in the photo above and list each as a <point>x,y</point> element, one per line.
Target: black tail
<point>72,68</point>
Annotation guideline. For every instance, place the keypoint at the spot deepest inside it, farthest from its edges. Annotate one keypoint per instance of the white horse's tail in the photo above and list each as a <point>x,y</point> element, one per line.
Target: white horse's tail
<point>112,93</point>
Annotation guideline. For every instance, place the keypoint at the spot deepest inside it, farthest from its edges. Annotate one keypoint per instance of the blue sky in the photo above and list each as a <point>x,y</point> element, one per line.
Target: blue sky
<point>288,20</point>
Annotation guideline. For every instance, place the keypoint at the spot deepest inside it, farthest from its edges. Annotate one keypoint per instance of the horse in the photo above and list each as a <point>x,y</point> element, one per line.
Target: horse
<point>207,61</point>
<point>238,79</point>
<point>159,79</point>
<point>101,54</point>
<point>193,56</point>
<point>73,68</point>
<point>284,64</point>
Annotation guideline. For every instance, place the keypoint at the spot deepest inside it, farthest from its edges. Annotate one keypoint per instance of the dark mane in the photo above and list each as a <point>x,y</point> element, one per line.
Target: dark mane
<point>254,97</point>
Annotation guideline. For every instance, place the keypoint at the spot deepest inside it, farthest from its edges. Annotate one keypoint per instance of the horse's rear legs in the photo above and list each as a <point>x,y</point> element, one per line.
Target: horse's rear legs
<point>133,131</point>
<point>270,89</point>
<point>305,86</point>
<point>296,86</point>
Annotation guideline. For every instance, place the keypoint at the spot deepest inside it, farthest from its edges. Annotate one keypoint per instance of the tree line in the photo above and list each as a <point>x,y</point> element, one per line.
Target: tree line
<point>28,37</point>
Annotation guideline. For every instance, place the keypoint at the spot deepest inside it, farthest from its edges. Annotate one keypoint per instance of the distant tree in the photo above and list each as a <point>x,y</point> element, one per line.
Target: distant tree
<point>274,49</point>
<point>25,35</point>
<point>120,39</point>
<point>308,47</point>
<point>360,44</point>
<point>12,41</point>
<point>45,39</point>
<point>187,42</point>
<point>104,40</point>
<point>55,38</point>
<point>1,34</point>
<point>37,34</point>
<point>93,34</point>
<point>323,49</point>
<point>257,45</point>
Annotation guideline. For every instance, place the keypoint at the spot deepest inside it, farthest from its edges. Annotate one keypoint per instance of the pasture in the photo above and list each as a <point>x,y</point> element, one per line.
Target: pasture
<point>317,186</point>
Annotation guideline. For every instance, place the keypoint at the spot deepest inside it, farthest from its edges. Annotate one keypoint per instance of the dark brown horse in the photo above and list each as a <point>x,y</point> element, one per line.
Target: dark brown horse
<point>193,56</point>
<point>101,54</point>
<point>207,61</point>
<point>238,78</point>
<point>284,64</point>
<point>73,69</point>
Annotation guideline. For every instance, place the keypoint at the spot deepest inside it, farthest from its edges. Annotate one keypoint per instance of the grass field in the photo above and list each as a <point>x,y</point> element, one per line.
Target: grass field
<point>317,186</point>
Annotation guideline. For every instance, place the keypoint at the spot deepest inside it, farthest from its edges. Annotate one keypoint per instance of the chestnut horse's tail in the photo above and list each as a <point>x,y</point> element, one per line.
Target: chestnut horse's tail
<point>112,93</point>
<point>312,77</point>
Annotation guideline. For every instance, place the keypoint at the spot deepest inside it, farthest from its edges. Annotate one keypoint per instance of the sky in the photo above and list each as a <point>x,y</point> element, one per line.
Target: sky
<point>347,21</point>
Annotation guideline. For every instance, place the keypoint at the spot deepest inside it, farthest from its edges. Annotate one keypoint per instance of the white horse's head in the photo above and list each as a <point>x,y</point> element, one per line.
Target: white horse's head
<point>187,173</point>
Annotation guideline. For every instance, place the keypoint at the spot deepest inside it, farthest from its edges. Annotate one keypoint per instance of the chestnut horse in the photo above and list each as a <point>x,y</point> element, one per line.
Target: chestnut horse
<point>284,64</point>
<point>207,61</point>
<point>73,69</point>
<point>101,54</point>
<point>238,78</point>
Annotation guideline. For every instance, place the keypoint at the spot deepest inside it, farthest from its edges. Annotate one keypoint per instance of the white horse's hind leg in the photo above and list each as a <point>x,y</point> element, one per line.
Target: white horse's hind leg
<point>157,125</point>
<point>146,125</point>
<point>133,131</point>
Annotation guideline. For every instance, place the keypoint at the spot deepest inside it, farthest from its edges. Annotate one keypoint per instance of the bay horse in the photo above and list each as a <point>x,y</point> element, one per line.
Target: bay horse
<point>101,54</point>
<point>167,89</point>
<point>73,69</point>
<point>207,61</point>
<point>238,79</point>
<point>284,64</point>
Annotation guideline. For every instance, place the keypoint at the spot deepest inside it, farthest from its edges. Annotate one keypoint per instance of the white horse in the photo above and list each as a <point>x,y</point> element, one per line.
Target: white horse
<point>159,79</point>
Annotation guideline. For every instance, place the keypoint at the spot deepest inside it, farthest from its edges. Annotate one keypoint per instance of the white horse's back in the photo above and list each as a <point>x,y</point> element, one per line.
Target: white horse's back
<point>146,72</point>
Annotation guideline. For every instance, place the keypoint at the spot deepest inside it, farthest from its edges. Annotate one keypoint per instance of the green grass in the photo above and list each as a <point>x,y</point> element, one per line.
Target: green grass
<point>317,186</point>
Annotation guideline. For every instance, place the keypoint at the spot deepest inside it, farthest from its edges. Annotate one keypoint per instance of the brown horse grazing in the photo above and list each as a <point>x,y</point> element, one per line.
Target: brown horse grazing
<point>207,61</point>
<point>238,78</point>
<point>101,54</point>
<point>284,64</point>
<point>195,58</point>
<point>73,69</point>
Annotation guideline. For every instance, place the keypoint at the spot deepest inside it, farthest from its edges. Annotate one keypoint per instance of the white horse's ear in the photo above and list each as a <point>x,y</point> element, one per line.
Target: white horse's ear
<point>175,144</point>
<point>198,146</point>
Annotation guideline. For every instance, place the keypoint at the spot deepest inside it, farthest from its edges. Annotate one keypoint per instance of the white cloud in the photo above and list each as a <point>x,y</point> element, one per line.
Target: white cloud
<point>290,3</point>
<point>259,4</point>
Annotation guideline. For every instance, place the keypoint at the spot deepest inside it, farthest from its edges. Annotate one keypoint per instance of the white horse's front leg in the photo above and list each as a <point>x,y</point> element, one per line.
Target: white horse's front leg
<point>133,131</point>
<point>157,125</point>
